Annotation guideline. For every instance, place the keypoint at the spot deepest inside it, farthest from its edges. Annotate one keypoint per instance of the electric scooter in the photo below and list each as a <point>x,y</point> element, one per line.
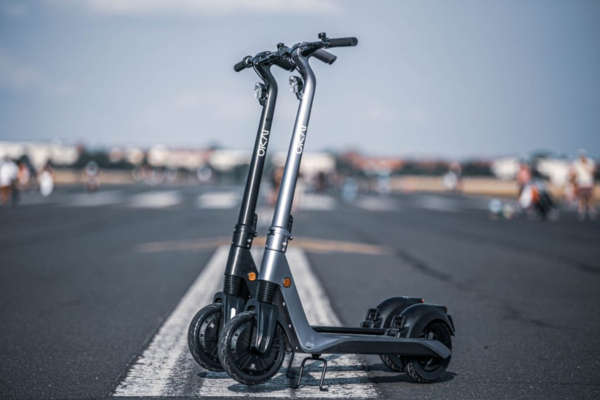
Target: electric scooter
<point>240,272</point>
<point>408,335</point>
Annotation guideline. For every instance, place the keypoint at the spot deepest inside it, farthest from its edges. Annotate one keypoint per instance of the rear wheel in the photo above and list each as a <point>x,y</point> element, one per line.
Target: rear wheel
<point>394,363</point>
<point>240,361</point>
<point>203,337</point>
<point>429,369</point>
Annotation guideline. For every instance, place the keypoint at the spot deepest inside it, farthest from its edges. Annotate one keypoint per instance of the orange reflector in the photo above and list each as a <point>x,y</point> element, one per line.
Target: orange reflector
<point>287,282</point>
<point>251,276</point>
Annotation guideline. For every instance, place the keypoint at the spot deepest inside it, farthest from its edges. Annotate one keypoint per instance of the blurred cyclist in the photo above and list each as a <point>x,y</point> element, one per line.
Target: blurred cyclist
<point>584,169</point>
<point>91,176</point>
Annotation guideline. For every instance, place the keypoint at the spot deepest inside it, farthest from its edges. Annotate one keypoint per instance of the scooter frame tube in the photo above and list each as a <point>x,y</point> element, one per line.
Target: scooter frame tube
<point>240,262</point>
<point>285,306</point>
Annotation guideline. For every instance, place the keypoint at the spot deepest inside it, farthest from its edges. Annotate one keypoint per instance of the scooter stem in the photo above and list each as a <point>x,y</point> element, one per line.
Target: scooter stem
<point>279,235</point>
<point>257,163</point>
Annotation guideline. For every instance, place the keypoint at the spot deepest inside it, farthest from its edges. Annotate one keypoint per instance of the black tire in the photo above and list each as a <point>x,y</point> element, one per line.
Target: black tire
<point>203,337</point>
<point>429,369</point>
<point>241,362</point>
<point>394,363</point>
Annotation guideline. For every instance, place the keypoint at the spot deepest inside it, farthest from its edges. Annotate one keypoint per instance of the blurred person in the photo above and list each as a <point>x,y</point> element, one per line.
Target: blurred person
<point>537,201</point>
<point>8,178</point>
<point>91,176</point>
<point>299,193</point>
<point>171,174</point>
<point>24,176</point>
<point>495,207</point>
<point>584,169</point>
<point>384,184</point>
<point>453,178</point>
<point>571,189</point>
<point>275,175</point>
<point>523,176</point>
<point>205,174</point>
<point>321,182</point>
<point>46,180</point>
<point>349,190</point>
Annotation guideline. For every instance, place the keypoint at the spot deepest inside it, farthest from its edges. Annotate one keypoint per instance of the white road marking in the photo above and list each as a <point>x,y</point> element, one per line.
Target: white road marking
<point>317,202</point>
<point>218,200</point>
<point>371,203</point>
<point>156,199</point>
<point>34,199</point>
<point>150,375</point>
<point>437,203</point>
<point>95,199</point>
<point>166,367</point>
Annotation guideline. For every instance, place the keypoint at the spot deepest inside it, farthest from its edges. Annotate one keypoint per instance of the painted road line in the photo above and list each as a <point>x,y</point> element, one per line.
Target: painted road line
<point>436,203</point>
<point>317,202</point>
<point>218,200</point>
<point>151,374</point>
<point>371,203</point>
<point>95,199</point>
<point>310,245</point>
<point>166,367</point>
<point>155,199</point>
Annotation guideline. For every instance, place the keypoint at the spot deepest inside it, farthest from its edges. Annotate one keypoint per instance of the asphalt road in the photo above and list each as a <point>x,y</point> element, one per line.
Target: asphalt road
<point>80,300</point>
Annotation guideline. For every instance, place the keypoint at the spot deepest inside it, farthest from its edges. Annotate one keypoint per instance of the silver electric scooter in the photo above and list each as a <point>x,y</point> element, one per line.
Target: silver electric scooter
<point>408,335</point>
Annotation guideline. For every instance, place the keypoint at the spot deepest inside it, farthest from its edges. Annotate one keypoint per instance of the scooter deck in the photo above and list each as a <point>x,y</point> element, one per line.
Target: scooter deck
<point>344,330</point>
<point>377,341</point>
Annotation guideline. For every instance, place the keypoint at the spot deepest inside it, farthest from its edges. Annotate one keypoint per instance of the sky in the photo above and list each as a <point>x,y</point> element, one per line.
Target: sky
<point>451,79</point>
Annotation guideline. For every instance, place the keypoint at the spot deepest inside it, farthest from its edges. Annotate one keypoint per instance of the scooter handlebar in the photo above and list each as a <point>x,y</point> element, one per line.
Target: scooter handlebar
<point>241,65</point>
<point>285,63</point>
<point>324,56</point>
<point>343,42</point>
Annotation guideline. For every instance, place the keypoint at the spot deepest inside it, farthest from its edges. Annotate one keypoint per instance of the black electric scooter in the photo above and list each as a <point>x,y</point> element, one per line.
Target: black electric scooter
<point>240,272</point>
<point>407,334</point>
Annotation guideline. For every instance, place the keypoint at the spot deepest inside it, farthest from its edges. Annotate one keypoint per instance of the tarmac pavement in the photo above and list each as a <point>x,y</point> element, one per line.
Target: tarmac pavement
<point>90,283</point>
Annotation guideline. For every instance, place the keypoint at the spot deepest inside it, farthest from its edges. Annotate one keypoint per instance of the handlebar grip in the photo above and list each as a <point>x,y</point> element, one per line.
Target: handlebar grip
<point>343,42</point>
<point>325,56</point>
<point>241,65</point>
<point>285,63</point>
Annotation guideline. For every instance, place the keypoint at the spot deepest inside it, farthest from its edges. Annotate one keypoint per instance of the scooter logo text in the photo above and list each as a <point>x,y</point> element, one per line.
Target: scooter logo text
<point>262,145</point>
<point>300,144</point>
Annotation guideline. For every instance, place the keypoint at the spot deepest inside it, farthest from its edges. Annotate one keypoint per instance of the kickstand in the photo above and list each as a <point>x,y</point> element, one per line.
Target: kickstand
<point>288,373</point>
<point>314,357</point>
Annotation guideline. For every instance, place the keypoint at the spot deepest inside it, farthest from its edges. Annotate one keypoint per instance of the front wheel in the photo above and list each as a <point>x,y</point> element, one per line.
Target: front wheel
<point>240,361</point>
<point>203,337</point>
<point>429,369</point>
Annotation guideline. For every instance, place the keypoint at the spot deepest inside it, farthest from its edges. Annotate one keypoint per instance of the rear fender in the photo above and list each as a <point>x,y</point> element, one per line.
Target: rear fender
<point>383,314</point>
<point>418,316</point>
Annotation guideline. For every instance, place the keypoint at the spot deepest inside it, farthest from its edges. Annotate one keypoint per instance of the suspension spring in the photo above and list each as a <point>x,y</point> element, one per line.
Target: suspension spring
<point>233,285</point>
<point>265,292</point>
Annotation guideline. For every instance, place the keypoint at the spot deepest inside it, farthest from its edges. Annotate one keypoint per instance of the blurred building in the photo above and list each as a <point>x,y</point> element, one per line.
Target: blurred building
<point>312,163</point>
<point>506,168</point>
<point>40,153</point>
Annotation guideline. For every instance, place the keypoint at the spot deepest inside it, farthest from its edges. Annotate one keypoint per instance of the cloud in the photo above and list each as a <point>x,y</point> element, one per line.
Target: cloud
<point>18,76</point>
<point>415,114</point>
<point>202,7</point>
<point>13,9</point>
